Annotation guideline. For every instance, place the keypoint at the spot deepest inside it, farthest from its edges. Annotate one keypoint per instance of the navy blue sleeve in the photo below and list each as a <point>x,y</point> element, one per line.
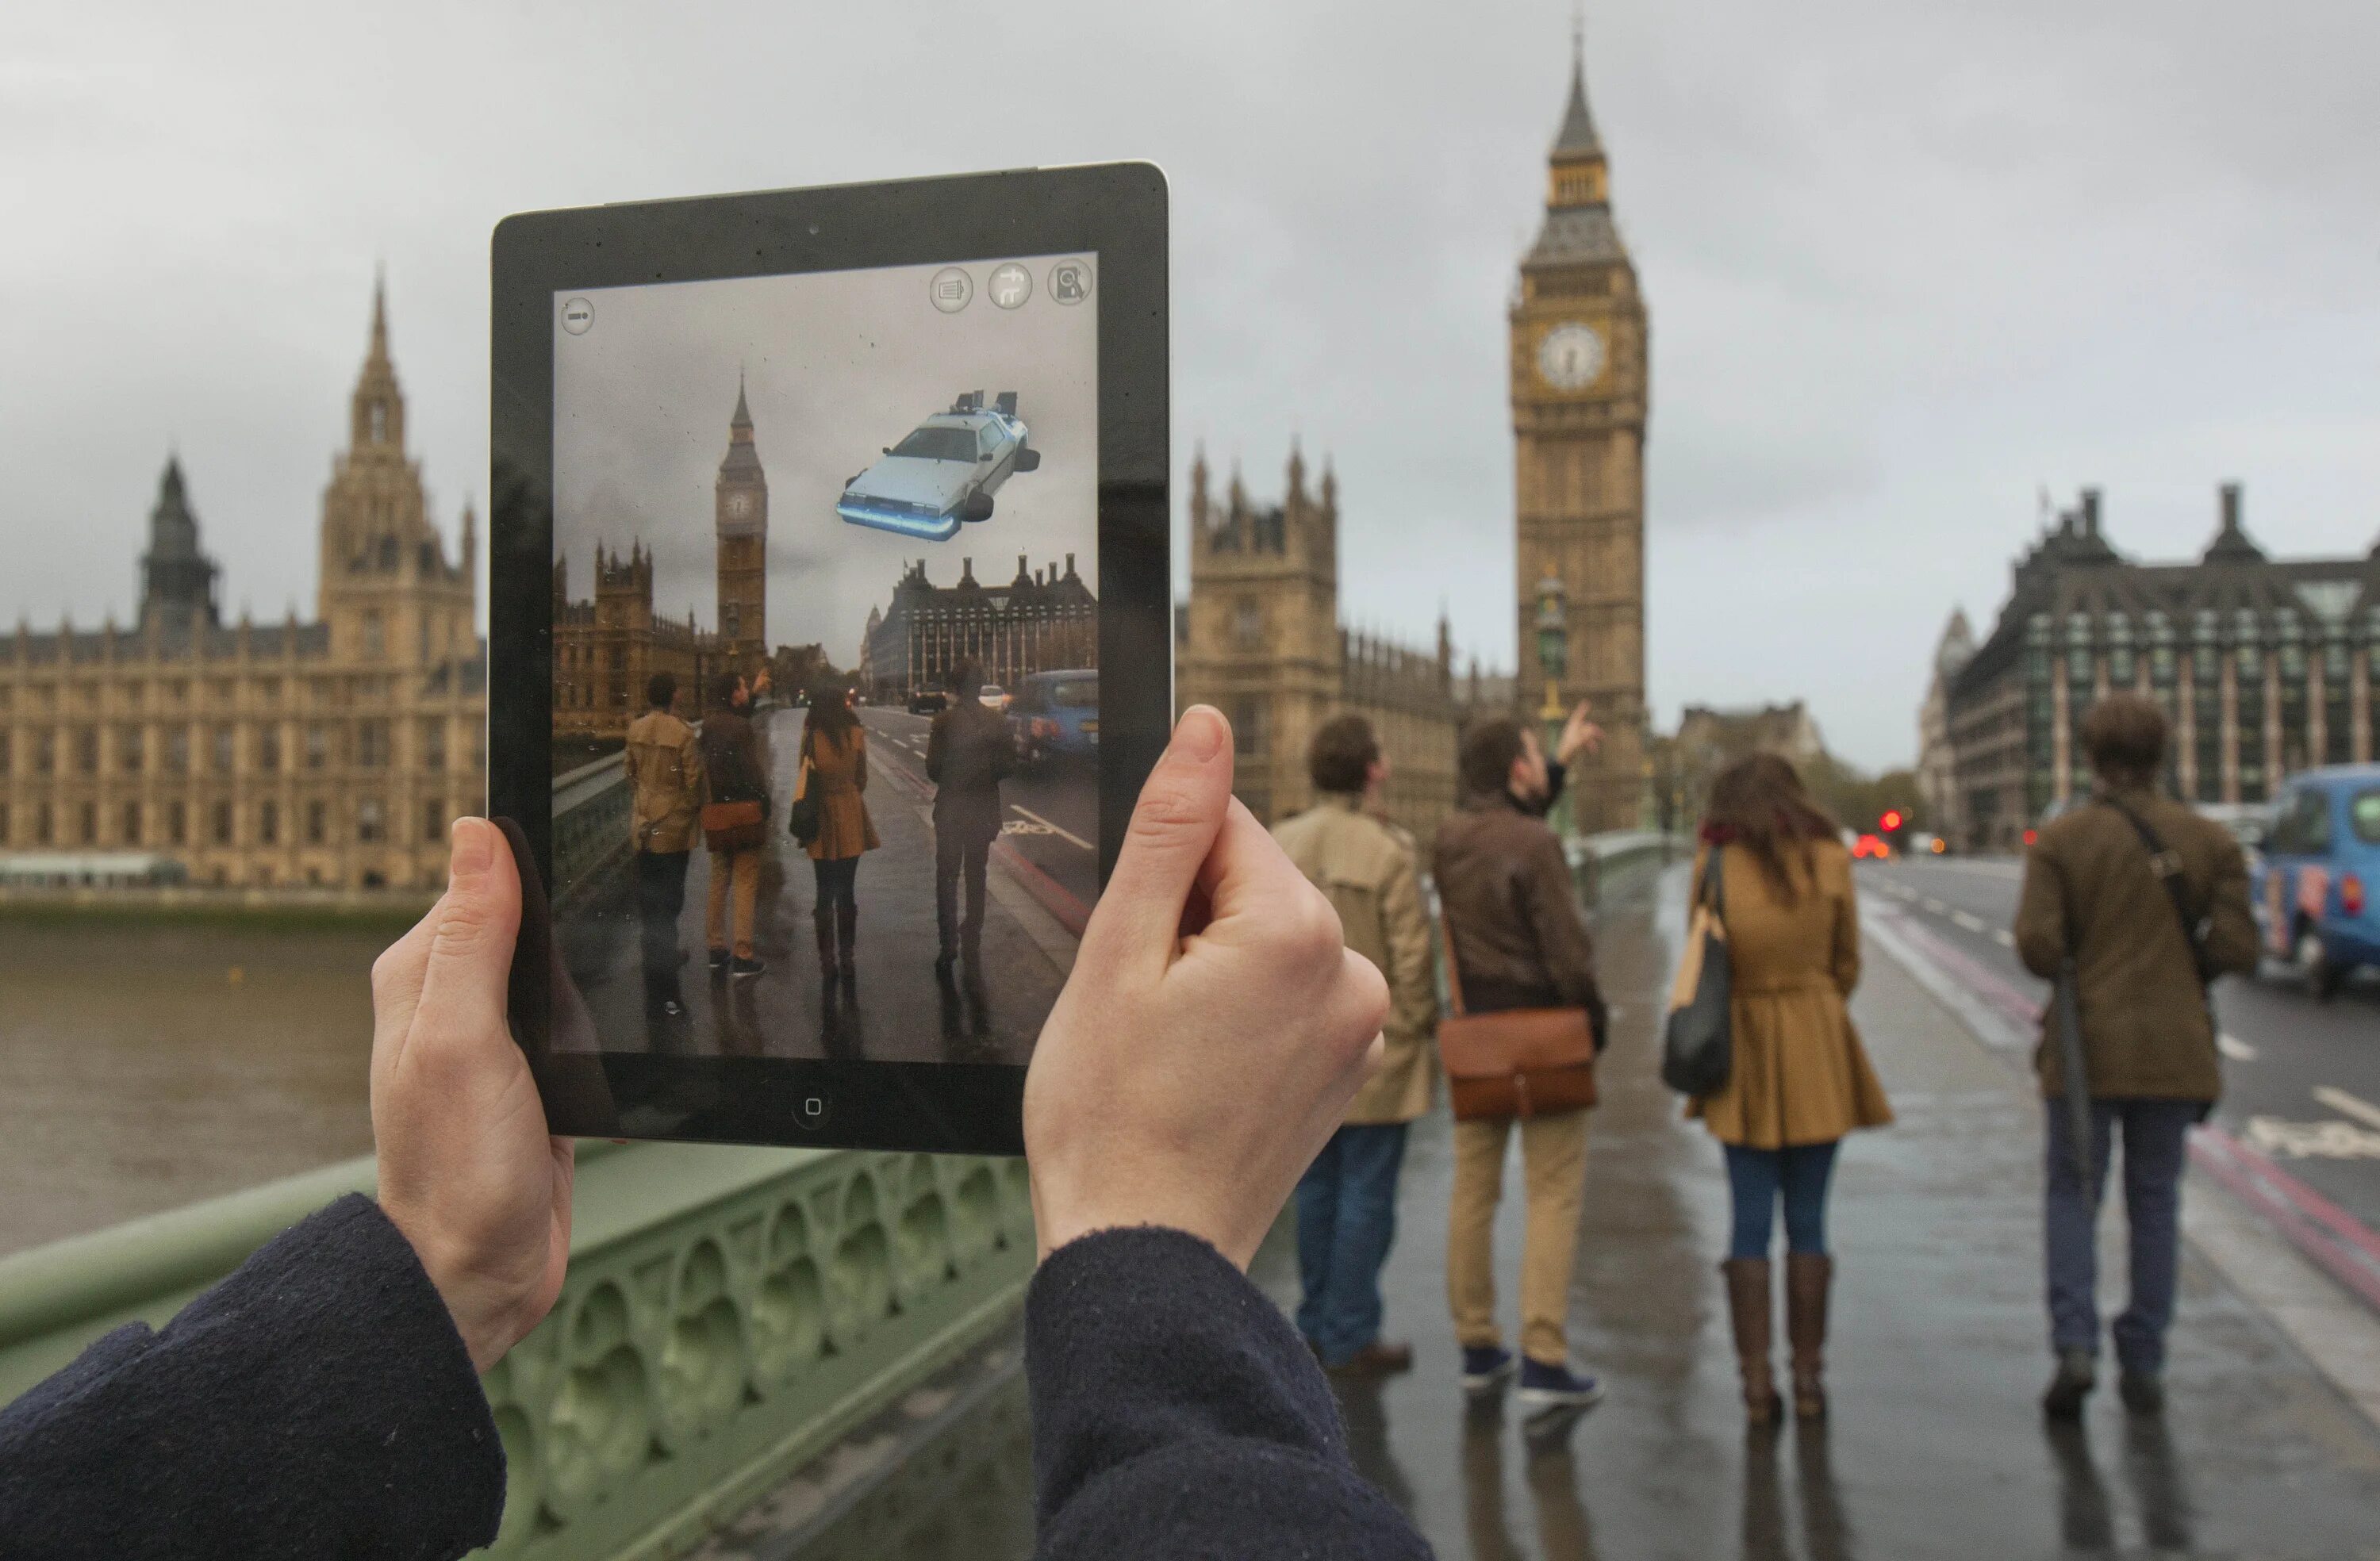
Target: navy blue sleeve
<point>1176,1414</point>
<point>316,1402</point>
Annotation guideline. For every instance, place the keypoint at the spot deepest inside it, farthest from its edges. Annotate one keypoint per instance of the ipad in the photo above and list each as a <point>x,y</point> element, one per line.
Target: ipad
<point>829,641</point>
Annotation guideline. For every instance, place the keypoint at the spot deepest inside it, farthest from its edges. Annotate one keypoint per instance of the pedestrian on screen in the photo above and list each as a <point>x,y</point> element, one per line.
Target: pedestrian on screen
<point>1347,1199</point>
<point>2147,926</point>
<point>968,756</point>
<point>1519,942</point>
<point>1800,1079</point>
<point>736,771</point>
<point>664,760</point>
<point>836,744</point>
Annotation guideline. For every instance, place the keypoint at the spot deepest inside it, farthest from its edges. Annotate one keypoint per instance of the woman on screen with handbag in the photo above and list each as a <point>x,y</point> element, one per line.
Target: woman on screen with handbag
<point>1799,1080</point>
<point>834,761</point>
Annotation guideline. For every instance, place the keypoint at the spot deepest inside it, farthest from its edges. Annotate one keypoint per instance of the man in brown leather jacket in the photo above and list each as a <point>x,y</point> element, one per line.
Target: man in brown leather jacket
<point>1347,1199</point>
<point>664,762</point>
<point>2097,889</point>
<point>1517,939</point>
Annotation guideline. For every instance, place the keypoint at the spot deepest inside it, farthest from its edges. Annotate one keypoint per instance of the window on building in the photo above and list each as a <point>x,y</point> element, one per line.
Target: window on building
<point>371,820</point>
<point>177,749</point>
<point>1248,622</point>
<point>87,749</point>
<point>7,755</point>
<point>433,821</point>
<point>4,823</point>
<point>433,745</point>
<point>45,752</point>
<point>223,823</point>
<point>268,747</point>
<point>88,819</point>
<point>131,823</point>
<point>177,823</point>
<point>317,745</point>
<point>268,822</point>
<point>222,743</point>
<point>128,745</point>
<point>371,744</point>
<point>380,422</point>
<point>318,823</point>
<point>44,825</point>
<point>1250,733</point>
<point>375,637</point>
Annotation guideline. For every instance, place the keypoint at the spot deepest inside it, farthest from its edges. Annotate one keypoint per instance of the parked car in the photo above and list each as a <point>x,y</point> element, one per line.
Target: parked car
<point>2316,880</point>
<point>1056,715</point>
<point>928,702</point>
<point>945,472</point>
<point>991,696</point>
<point>2249,822</point>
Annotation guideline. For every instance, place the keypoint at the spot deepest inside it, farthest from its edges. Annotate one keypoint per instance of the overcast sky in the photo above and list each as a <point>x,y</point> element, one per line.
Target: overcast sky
<point>839,366</point>
<point>1908,261</point>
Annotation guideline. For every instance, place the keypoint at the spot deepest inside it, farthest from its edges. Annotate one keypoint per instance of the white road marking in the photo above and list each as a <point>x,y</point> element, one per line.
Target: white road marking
<point>1934,905</point>
<point>1064,834</point>
<point>2235,1049</point>
<point>2347,1105</point>
<point>2005,939</point>
<point>2313,1141</point>
<point>1972,921</point>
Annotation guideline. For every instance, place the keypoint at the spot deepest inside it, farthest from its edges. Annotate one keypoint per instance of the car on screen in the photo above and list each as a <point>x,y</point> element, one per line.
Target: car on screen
<point>1056,715</point>
<point>928,702</point>
<point>2317,883</point>
<point>945,472</point>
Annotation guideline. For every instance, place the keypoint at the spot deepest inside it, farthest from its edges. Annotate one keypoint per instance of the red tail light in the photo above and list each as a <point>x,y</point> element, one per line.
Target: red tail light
<point>2031,836</point>
<point>2351,895</point>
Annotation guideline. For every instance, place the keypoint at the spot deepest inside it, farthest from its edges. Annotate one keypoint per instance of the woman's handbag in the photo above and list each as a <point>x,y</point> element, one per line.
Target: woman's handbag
<point>1698,1048</point>
<point>802,819</point>
<point>1521,1062</point>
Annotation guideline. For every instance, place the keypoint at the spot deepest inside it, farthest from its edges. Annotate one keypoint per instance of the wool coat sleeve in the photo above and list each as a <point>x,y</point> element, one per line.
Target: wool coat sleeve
<point>2042,936</point>
<point>317,1402</point>
<point>1176,1415</point>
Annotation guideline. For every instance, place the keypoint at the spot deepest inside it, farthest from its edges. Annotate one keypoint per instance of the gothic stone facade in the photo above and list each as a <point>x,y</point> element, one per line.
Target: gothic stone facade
<point>1580,349</point>
<point>1261,641</point>
<point>2265,667</point>
<point>1045,620</point>
<point>331,753</point>
<point>604,650</point>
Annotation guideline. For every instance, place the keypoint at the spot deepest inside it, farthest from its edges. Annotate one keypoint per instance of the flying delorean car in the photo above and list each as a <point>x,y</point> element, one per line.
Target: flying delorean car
<point>945,472</point>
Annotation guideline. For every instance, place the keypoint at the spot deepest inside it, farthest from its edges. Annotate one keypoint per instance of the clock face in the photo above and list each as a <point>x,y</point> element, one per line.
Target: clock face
<point>740,505</point>
<point>1571,357</point>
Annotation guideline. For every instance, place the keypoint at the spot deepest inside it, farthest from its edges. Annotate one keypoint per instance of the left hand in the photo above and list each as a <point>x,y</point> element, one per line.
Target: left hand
<point>467,1169</point>
<point>1579,736</point>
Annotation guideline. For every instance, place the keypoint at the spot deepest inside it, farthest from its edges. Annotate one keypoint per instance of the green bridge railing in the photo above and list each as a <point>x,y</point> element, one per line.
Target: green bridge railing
<point>729,1313</point>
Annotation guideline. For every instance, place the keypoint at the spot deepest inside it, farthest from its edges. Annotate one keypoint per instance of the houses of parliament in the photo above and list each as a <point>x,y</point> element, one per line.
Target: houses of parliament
<point>1260,637</point>
<point>330,753</point>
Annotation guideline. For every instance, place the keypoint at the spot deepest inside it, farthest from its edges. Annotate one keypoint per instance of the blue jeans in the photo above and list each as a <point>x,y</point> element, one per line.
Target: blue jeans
<point>1758,1178</point>
<point>1346,1217</point>
<point>2155,1147</point>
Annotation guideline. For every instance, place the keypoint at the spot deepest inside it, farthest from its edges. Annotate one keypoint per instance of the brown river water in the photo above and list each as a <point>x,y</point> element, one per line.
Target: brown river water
<point>145,1066</point>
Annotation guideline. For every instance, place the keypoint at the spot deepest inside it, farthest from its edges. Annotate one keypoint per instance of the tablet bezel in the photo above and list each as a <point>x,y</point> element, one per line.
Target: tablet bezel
<point>1117,215</point>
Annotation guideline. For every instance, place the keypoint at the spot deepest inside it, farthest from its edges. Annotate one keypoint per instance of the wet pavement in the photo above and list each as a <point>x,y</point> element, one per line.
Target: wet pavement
<point>144,1064</point>
<point>902,1014</point>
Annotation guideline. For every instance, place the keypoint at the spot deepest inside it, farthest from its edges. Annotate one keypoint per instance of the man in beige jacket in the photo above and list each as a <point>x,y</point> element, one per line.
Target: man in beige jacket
<point>664,762</point>
<point>1347,1201</point>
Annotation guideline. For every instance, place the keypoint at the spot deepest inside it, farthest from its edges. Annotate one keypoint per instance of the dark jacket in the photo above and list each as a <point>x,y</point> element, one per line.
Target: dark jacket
<point>2088,885</point>
<point>319,1402</point>
<point>730,759</point>
<point>968,756</point>
<point>1504,888</point>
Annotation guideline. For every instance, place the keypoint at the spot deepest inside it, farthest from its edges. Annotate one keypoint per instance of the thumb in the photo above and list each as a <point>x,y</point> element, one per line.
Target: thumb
<point>1173,827</point>
<point>463,986</point>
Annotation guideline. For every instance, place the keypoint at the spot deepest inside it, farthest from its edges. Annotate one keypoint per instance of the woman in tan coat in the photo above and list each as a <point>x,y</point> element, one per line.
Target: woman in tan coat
<point>835,746</point>
<point>1800,1079</point>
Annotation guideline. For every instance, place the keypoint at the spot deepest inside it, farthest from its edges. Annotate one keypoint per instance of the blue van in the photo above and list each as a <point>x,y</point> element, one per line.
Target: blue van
<point>2319,875</point>
<point>1056,715</point>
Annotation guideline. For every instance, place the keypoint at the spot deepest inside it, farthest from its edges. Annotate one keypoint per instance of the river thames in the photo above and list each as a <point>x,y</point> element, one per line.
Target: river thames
<point>146,1064</point>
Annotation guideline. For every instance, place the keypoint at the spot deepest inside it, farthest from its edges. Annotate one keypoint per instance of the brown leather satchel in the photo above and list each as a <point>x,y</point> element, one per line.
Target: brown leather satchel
<point>734,825</point>
<point>1522,1062</point>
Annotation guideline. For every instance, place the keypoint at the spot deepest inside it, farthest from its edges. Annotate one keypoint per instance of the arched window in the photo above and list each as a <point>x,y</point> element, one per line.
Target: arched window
<point>380,422</point>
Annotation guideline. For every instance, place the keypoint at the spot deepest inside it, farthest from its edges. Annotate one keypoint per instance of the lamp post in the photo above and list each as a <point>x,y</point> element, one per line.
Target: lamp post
<point>1553,654</point>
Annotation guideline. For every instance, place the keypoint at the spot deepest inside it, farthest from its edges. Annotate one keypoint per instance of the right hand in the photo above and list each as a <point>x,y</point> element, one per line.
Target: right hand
<point>1214,1029</point>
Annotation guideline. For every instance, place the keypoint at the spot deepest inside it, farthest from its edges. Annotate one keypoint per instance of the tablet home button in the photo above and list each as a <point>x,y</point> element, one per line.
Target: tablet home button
<point>809,1110</point>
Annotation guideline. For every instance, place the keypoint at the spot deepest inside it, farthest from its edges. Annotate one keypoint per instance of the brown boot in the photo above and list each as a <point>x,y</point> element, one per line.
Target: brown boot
<point>1751,1308</point>
<point>1808,1276</point>
<point>848,919</point>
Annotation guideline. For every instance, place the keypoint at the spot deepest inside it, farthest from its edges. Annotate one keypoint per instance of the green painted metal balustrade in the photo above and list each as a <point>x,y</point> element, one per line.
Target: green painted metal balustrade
<point>729,1313</point>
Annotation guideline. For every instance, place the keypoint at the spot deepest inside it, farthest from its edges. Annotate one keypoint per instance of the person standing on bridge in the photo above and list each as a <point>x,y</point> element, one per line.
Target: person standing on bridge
<point>736,772</point>
<point>1515,934</point>
<point>2150,902</point>
<point>968,756</point>
<point>664,762</point>
<point>1347,1199</point>
<point>1799,1081</point>
<point>835,745</point>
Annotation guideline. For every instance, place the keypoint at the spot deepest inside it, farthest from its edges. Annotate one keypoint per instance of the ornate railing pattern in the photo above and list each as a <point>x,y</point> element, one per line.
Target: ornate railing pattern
<point>729,1313</point>
<point>591,823</point>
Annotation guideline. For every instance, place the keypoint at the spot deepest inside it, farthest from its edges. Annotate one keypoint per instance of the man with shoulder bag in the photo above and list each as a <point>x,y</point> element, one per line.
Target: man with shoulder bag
<point>1520,1047</point>
<point>2132,905</point>
<point>735,826</point>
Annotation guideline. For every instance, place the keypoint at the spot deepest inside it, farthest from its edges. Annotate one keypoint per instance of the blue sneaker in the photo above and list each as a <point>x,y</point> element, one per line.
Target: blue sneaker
<point>1485,1367</point>
<point>1556,1387</point>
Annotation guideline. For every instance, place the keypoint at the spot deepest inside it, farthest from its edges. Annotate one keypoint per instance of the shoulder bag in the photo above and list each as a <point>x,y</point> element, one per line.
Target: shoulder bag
<point>735,826</point>
<point>802,819</point>
<point>1698,1045</point>
<point>1519,1062</point>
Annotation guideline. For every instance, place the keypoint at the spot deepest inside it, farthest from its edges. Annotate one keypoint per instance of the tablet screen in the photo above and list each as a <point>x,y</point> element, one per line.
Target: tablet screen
<point>825,660</point>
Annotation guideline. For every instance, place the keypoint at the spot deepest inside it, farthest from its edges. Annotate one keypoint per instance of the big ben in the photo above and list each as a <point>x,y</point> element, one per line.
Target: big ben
<point>741,499</point>
<point>1580,349</point>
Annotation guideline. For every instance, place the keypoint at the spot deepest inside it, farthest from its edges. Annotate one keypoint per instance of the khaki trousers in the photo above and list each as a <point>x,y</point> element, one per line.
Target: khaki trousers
<point>1553,1173</point>
<point>742,869</point>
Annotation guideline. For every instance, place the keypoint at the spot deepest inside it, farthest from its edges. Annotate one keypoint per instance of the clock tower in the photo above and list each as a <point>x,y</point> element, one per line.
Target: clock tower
<point>741,497</point>
<point>1580,349</point>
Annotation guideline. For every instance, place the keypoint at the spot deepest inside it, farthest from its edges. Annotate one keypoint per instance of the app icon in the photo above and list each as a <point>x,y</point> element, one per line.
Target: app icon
<point>577,314</point>
<point>1010,286</point>
<point>951,289</point>
<point>1070,280</point>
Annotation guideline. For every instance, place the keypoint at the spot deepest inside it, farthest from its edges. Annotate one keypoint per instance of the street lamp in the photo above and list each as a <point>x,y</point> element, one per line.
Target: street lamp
<point>1553,643</point>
